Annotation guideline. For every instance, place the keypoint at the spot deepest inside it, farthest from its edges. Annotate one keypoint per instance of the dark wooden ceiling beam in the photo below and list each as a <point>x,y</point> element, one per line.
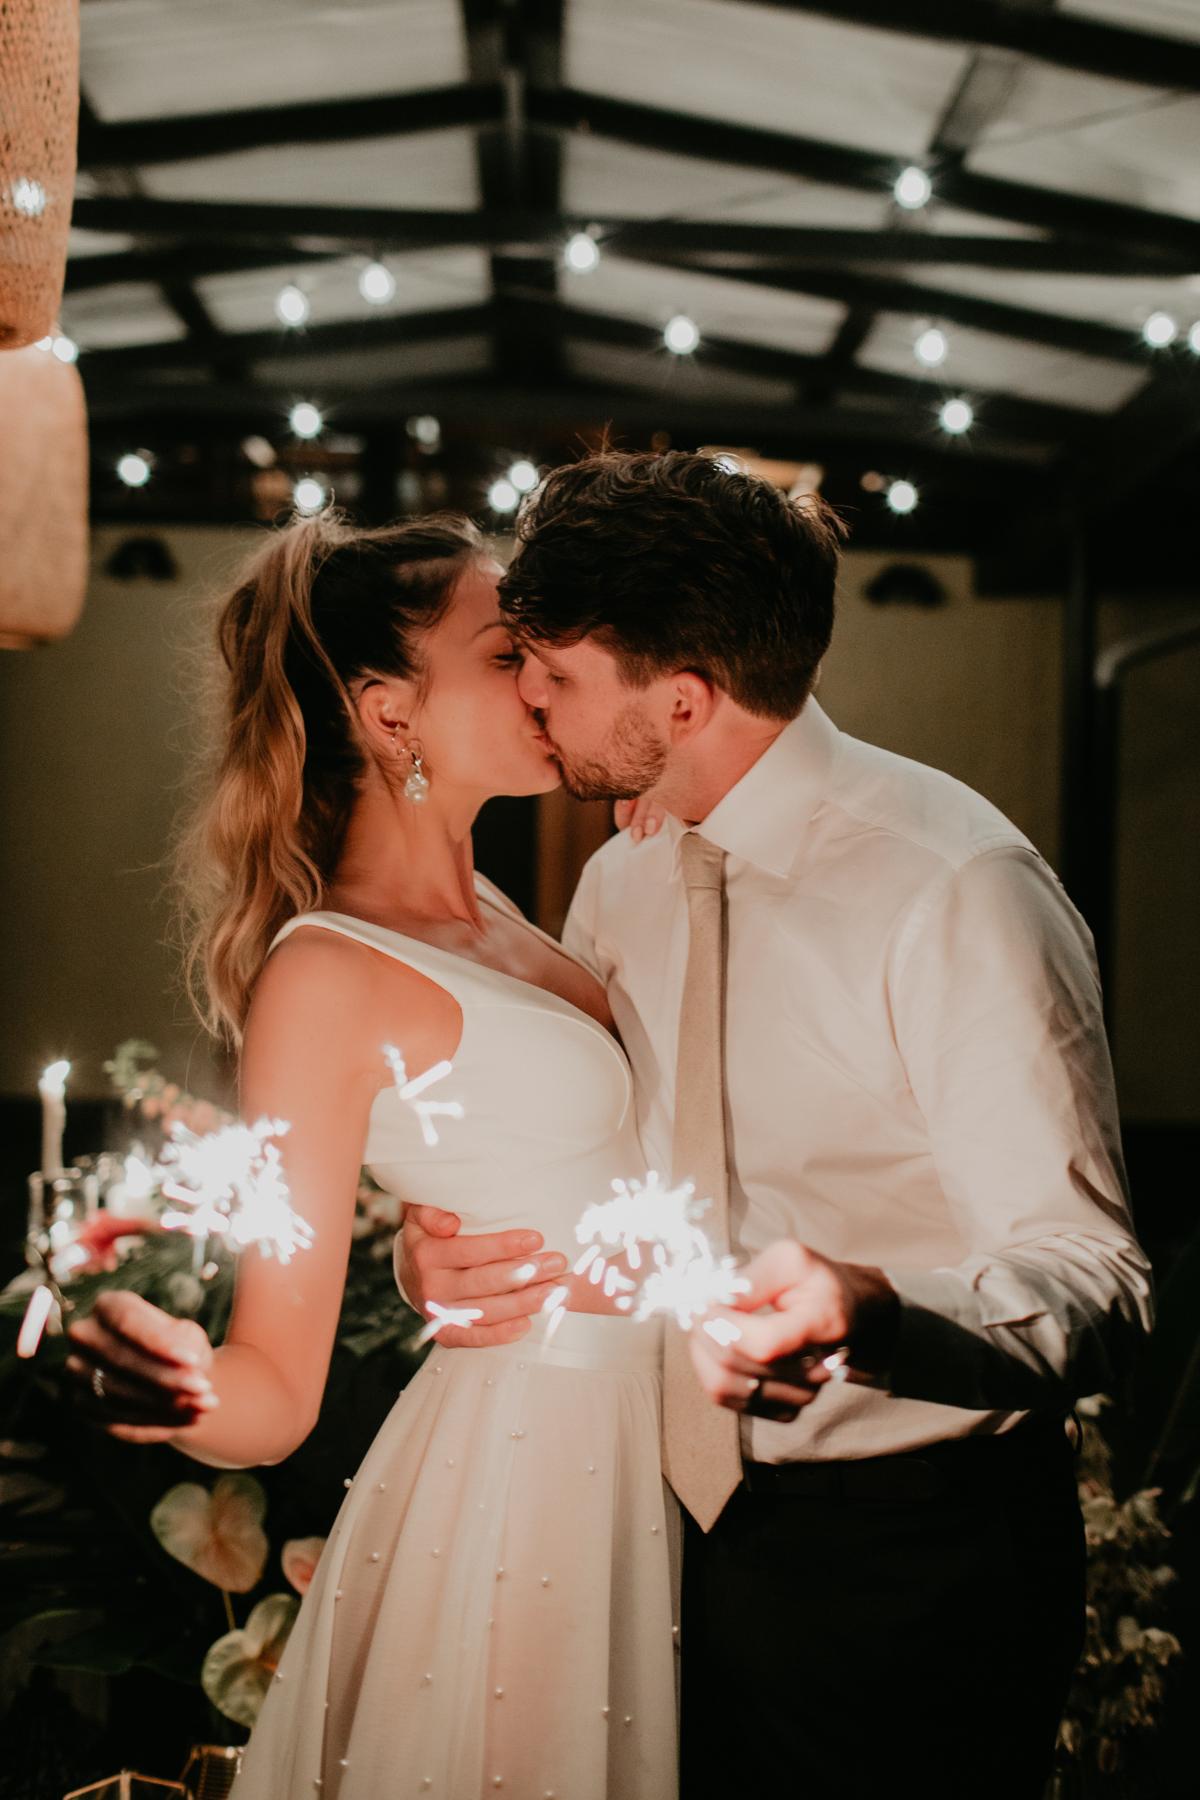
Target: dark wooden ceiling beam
<point>280,229</point>
<point>147,142</point>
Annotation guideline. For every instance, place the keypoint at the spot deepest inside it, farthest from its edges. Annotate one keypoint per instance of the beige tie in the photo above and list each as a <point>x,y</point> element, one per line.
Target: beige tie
<point>701,1454</point>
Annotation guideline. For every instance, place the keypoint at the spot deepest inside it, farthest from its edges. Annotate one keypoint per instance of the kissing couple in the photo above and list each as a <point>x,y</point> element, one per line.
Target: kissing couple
<point>835,988</point>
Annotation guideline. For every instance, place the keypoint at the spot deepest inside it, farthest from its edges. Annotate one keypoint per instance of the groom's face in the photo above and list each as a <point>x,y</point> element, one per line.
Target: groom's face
<point>606,735</point>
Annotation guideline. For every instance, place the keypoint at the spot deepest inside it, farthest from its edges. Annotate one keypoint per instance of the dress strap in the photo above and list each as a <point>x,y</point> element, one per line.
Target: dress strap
<point>438,966</point>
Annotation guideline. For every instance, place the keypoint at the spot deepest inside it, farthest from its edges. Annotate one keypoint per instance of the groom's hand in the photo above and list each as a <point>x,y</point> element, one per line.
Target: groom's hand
<point>504,1275</point>
<point>816,1305</point>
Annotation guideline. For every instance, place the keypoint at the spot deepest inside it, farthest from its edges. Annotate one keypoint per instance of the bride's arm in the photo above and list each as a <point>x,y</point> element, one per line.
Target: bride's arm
<point>305,1060</point>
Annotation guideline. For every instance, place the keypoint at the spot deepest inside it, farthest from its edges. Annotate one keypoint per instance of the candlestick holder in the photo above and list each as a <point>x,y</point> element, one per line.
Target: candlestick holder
<point>59,1207</point>
<point>209,1771</point>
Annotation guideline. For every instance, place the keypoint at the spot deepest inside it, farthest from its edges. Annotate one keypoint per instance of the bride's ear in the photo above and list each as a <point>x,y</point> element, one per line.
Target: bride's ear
<point>384,708</point>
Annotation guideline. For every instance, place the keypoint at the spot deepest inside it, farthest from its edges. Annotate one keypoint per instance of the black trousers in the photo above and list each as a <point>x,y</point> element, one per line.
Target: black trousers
<point>907,1622</point>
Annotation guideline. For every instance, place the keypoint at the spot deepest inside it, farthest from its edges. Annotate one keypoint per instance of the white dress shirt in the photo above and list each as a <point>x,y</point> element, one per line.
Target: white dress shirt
<point>917,1077</point>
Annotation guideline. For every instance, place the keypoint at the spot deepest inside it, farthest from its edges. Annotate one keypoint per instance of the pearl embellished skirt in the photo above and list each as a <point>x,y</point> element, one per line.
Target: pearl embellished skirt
<point>496,1609</point>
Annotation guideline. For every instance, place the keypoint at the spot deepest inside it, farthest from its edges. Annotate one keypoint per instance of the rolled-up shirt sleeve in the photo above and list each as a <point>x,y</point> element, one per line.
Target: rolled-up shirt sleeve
<point>997,1013</point>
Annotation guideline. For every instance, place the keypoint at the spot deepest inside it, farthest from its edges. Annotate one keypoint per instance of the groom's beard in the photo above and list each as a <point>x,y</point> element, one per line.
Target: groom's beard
<point>630,761</point>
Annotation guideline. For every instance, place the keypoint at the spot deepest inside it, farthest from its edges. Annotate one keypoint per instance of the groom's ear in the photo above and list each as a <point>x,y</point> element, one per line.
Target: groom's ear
<point>693,698</point>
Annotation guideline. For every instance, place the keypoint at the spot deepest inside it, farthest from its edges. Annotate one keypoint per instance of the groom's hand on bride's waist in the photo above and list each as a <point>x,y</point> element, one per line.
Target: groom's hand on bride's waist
<point>504,1275</point>
<point>799,1309</point>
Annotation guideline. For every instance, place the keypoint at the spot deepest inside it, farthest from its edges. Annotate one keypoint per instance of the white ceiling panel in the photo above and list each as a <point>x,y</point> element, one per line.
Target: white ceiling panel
<point>1112,140</point>
<point>1103,299</point>
<point>720,307</point>
<point>1167,18</point>
<point>601,176</point>
<point>986,361</point>
<point>429,169</point>
<point>437,278</point>
<point>97,243</point>
<point>129,312</point>
<point>377,366</point>
<point>159,58</point>
<point>767,66</point>
<point>679,377</point>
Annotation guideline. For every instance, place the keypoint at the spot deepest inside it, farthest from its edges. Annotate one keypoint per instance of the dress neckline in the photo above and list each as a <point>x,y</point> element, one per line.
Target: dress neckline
<point>487,968</point>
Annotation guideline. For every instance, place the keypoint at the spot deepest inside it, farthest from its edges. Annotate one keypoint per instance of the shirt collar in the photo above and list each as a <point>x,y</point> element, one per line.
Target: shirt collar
<point>762,816</point>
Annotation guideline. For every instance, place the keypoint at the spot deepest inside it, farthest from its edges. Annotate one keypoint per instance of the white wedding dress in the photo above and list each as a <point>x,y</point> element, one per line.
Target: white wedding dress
<point>495,1610</point>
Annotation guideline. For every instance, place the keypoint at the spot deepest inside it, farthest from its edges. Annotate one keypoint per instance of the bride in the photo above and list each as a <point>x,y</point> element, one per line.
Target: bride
<point>495,1606</point>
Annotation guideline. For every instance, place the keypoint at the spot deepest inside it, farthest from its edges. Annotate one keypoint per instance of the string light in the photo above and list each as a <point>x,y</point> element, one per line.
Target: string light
<point>956,416</point>
<point>291,305</point>
<point>931,347</point>
<point>309,495</point>
<point>523,476</point>
<point>377,284</point>
<point>135,468</point>
<point>426,431</point>
<point>306,420</point>
<point>28,197</point>
<point>1193,339</point>
<point>902,496</point>
<point>65,348</point>
<point>681,335</point>
<point>1160,330</point>
<point>912,188</point>
<point>503,496</point>
<point>582,253</point>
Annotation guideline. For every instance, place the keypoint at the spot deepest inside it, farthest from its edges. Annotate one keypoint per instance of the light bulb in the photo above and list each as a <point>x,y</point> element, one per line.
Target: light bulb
<point>681,335</point>
<point>426,430</point>
<point>134,469</point>
<point>28,197</point>
<point>931,347</point>
<point>308,495</point>
<point>291,305</point>
<point>523,476</point>
<point>1193,339</point>
<point>503,496</point>
<point>902,496</point>
<point>377,284</point>
<point>582,253</point>
<point>912,188</point>
<point>65,348</point>
<point>1160,330</point>
<point>957,416</point>
<point>305,420</point>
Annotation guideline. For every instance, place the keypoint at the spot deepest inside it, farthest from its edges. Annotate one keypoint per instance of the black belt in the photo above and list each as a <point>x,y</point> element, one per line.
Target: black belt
<point>952,1466</point>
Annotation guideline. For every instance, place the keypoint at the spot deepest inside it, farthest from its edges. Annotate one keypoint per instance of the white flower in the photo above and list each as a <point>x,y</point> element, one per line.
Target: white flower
<point>218,1535</point>
<point>238,1668</point>
<point>299,1557</point>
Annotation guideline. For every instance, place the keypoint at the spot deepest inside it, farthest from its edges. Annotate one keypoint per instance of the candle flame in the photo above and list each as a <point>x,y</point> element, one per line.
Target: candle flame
<point>52,1084</point>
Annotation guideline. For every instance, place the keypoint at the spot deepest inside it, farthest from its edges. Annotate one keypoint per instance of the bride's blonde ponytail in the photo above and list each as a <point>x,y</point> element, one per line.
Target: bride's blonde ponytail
<point>320,605</point>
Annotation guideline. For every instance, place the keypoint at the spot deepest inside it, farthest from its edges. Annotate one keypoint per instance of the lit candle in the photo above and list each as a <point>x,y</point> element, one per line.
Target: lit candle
<point>52,1087</point>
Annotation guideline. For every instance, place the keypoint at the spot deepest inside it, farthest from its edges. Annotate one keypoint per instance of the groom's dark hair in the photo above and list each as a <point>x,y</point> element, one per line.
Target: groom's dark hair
<point>675,561</point>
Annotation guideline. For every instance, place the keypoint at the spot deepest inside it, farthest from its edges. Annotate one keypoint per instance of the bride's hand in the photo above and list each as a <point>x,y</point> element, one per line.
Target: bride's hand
<point>153,1370</point>
<point>641,817</point>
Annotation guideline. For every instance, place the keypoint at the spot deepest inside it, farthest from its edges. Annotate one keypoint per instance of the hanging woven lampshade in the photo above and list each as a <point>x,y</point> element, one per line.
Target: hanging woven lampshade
<point>39,108</point>
<point>43,496</point>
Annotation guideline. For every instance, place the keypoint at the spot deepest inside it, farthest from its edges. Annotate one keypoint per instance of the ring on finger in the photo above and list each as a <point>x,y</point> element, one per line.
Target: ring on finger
<point>98,1383</point>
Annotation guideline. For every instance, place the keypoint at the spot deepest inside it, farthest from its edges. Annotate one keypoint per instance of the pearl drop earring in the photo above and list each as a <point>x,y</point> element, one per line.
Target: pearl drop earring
<point>416,788</point>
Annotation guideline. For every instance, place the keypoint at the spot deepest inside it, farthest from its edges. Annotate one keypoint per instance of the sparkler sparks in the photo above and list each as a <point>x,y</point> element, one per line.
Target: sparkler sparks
<point>685,1278</point>
<point>426,1110</point>
<point>440,1316</point>
<point>230,1184</point>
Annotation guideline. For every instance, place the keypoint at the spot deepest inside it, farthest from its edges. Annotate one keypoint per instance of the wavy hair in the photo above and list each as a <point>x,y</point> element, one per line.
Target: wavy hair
<point>322,604</point>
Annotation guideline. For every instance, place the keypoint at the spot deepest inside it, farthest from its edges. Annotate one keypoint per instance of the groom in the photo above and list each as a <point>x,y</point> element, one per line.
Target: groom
<point>862,1013</point>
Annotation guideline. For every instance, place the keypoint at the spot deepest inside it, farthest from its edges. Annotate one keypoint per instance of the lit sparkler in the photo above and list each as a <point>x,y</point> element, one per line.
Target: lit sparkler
<point>410,1091</point>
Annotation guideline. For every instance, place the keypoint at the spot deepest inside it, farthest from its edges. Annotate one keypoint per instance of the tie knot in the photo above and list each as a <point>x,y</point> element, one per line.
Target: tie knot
<point>702,863</point>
